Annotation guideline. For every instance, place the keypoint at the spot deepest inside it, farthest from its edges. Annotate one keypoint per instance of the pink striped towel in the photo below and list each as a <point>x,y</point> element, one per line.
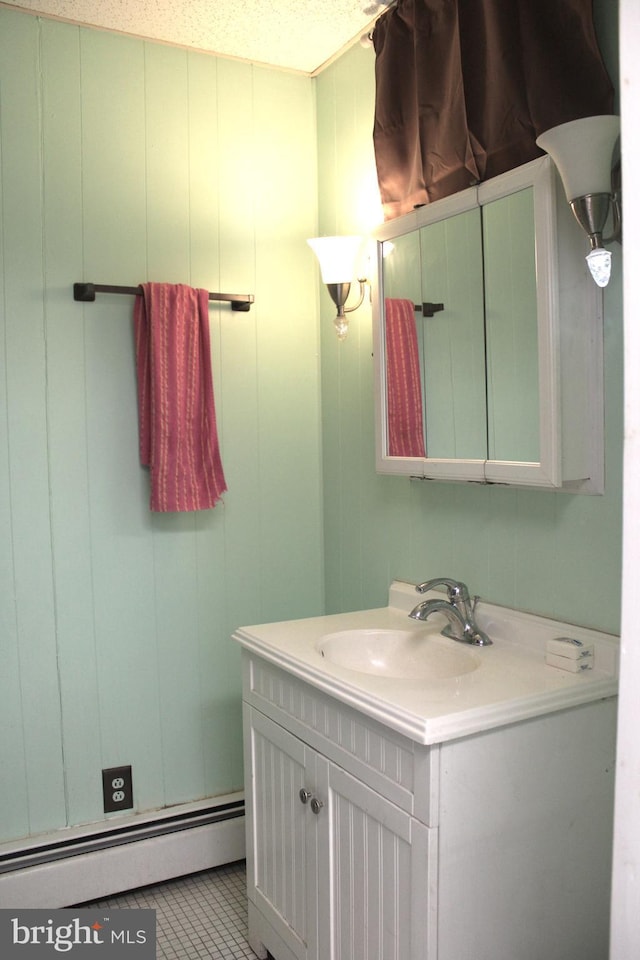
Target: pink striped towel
<point>404,388</point>
<point>176,410</point>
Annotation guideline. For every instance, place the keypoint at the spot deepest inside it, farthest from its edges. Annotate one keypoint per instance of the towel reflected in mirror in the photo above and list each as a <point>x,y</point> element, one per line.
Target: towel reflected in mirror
<point>404,386</point>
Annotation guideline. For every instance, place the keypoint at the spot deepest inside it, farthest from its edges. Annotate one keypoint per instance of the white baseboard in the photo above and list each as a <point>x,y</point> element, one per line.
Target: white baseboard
<point>85,876</point>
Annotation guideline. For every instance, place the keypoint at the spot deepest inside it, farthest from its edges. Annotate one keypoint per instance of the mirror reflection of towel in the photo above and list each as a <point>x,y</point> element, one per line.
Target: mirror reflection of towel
<point>178,433</point>
<point>404,388</point>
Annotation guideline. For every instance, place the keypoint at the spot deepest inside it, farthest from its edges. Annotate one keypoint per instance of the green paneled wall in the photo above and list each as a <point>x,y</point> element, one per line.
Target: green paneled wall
<point>556,554</point>
<point>123,161</point>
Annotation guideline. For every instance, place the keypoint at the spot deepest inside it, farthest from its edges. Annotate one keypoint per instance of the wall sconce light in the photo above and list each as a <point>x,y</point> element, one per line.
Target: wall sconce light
<point>338,258</point>
<point>582,150</point>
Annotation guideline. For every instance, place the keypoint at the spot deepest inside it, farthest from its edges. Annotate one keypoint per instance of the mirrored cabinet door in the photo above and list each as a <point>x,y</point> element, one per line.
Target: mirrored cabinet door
<point>438,269</point>
<point>453,337</point>
<point>511,324</point>
<point>475,301</point>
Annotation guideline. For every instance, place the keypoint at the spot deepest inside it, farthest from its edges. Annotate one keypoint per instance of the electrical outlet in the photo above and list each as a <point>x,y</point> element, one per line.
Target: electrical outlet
<point>117,789</point>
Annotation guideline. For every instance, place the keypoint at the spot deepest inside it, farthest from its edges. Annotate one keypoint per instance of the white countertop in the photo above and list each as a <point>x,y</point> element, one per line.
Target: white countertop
<point>512,681</point>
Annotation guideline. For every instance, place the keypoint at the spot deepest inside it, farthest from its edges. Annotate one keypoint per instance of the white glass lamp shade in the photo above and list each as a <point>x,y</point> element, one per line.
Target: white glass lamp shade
<point>337,256</point>
<point>582,151</point>
<point>599,263</point>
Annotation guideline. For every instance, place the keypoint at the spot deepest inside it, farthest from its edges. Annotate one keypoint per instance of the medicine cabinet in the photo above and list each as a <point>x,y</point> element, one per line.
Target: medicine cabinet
<point>508,336</point>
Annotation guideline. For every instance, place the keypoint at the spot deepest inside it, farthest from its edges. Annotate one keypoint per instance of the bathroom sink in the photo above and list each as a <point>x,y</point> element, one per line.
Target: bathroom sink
<point>406,675</point>
<point>398,654</point>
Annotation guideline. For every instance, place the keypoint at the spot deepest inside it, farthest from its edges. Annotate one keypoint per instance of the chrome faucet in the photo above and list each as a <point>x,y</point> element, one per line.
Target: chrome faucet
<point>458,609</point>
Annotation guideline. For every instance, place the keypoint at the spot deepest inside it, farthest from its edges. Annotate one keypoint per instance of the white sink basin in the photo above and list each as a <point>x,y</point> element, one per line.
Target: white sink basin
<point>398,654</point>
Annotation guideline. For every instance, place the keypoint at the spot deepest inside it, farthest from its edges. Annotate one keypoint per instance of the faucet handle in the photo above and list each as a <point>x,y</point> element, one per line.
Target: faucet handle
<point>456,590</point>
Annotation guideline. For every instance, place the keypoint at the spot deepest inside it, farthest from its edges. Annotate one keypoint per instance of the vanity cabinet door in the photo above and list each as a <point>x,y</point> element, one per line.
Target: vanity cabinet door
<point>378,875</point>
<point>346,874</point>
<point>281,838</point>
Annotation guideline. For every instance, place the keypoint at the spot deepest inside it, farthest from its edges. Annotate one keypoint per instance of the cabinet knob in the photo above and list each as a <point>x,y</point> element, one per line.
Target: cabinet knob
<point>316,806</point>
<point>305,795</point>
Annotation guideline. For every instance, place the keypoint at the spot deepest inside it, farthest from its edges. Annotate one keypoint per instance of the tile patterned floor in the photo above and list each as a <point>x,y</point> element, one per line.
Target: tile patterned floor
<point>200,916</point>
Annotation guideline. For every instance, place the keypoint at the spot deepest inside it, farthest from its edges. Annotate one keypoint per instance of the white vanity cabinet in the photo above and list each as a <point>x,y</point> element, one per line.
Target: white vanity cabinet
<point>493,846</point>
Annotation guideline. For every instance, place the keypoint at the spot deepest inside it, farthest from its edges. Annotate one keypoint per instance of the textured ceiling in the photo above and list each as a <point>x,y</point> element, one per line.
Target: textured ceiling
<point>293,34</point>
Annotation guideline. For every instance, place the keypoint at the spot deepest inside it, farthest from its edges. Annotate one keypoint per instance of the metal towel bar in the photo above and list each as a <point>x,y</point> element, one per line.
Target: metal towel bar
<point>86,293</point>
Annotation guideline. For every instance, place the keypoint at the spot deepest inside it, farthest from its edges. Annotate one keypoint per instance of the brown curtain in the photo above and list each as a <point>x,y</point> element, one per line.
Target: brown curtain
<point>464,87</point>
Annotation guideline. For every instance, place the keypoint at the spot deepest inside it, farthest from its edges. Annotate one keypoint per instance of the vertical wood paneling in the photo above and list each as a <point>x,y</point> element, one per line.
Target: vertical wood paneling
<point>35,697</point>
<point>237,389</point>
<point>13,784</point>
<point>113,159</point>
<point>238,415</point>
<point>169,197</point>
<point>352,398</point>
<point>217,665</point>
<point>287,343</point>
<point>124,161</point>
<point>343,108</point>
<point>114,205</point>
<point>204,159</point>
<point>167,148</point>
<point>66,402</point>
<point>332,472</point>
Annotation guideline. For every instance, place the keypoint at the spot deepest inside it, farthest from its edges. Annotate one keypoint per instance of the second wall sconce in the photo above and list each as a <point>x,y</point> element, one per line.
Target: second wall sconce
<point>338,258</point>
<point>582,150</point>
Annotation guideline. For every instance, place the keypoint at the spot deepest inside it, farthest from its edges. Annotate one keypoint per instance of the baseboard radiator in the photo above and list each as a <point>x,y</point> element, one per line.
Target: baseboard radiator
<point>88,863</point>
